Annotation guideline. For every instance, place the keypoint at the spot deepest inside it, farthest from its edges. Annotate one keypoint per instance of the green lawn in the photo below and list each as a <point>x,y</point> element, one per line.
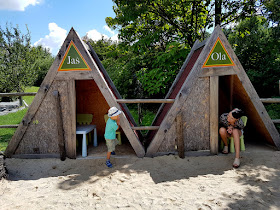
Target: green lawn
<point>13,118</point>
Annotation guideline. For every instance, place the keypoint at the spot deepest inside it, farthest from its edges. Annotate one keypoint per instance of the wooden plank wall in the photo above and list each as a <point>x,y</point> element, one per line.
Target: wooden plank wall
<point>195,118</point>
<point>41,134</point>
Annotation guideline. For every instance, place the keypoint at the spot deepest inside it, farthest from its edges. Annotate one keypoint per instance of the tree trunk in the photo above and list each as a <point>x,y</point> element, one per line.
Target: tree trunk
<point>218,12</point>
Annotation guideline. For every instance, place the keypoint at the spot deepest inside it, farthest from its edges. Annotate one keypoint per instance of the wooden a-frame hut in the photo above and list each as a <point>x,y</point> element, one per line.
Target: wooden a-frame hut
<point>82,85</point>
<point>211,81</point>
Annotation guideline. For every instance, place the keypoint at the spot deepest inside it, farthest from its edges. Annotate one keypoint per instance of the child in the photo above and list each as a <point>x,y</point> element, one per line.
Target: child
<point>110,132</point>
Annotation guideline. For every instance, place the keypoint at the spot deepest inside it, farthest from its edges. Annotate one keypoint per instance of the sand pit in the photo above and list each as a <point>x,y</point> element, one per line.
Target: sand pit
<point>166,182</point>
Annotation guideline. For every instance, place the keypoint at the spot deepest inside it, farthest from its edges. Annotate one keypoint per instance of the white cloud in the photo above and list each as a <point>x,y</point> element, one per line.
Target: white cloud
<point>18,5</point>
<point>108,29</point>
<point>54,39</point>
<point>57,35</point>
<point>115,38</point>
<point>95,35</point>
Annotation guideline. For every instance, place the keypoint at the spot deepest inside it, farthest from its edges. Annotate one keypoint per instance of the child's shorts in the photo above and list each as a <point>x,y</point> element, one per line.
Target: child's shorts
<point>111,144</point>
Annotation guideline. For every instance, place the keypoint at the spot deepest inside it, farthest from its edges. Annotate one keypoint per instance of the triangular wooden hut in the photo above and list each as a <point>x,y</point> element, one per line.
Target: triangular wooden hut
<point>211,82</point>
<point>75,72</point>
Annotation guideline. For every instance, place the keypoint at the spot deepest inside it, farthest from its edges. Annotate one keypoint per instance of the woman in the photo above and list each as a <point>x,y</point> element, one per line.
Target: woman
<point>232,126</point>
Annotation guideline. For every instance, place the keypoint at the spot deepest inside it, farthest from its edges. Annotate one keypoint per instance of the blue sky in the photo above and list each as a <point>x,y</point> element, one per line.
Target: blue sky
<point>49,21</point>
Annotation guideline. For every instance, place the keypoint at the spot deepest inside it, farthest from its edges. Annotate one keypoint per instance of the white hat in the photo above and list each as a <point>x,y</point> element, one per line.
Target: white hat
<point>113,111</point>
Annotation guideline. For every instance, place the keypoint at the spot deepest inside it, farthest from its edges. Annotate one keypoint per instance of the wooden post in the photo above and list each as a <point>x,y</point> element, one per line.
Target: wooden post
<point>231,92</point>
<point>179,136</point>
<point>20,101</point>
<point>214,114</point>
<point>60,133</point>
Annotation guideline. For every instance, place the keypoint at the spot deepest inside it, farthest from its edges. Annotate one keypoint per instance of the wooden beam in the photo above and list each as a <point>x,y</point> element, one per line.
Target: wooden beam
<point>134,101</point>
<point>60,131</point>
<point>276,121</point>
<point>16,94</point>
<point>143,128</point>
<point>179,136</point>
<point>231,92</point>
<point>270,100</point>
<point>214,114</point>
<point>71,149</point>
<point>9,126</point>
<point>217,71</point>
<point>35,156</point>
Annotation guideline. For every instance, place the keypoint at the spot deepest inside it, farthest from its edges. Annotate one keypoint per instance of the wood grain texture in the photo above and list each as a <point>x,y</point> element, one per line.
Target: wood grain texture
<point>60,132</point>
<point>183,95</point>
<point>217,71</point>
<point>179,136</point>
<point>41,134</point>
<point>43,90</point>
<point>214,114</point>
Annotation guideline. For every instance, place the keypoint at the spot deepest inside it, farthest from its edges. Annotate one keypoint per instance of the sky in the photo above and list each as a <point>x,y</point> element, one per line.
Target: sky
<point>49,21</point>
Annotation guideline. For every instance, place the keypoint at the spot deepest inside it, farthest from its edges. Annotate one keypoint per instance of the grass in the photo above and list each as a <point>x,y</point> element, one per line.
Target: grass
<point>148,117</point>
<point>274,113</point>
<point>13,118</point>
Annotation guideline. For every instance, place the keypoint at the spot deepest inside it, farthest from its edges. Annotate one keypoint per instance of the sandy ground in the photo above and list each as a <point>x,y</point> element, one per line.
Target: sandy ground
<point>166,182</point>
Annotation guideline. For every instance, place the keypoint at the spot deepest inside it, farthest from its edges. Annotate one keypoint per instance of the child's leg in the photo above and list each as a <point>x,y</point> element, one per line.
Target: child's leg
<point>108,155</point>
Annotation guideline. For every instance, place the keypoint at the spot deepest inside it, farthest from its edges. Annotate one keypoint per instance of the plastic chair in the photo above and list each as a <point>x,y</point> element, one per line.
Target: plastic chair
<point>118,133</point>
<point>231,140</point>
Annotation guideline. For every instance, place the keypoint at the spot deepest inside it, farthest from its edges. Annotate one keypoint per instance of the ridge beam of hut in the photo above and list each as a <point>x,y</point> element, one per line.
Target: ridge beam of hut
<point>135,101</point>
<point>143,128</point>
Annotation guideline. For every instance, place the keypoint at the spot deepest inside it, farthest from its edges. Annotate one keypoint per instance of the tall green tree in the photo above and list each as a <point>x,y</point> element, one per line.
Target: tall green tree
<point>161,32</point>
<point>15,60</point>
<point>21,64</point>
<point>259,52</point>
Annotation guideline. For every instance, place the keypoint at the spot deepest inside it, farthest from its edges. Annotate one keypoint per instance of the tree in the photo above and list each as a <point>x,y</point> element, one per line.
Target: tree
<point>15,63</point>
<point>160,33</point>
<point>259,52</point>
<point>19,61</point>
<point>42,63</point>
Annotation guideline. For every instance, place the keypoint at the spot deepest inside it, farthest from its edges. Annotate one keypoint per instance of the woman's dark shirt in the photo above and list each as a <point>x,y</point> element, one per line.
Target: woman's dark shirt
<point>224,123</point>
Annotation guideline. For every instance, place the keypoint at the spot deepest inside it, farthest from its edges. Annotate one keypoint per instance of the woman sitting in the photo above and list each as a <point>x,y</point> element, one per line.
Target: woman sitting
<point>232,126</point>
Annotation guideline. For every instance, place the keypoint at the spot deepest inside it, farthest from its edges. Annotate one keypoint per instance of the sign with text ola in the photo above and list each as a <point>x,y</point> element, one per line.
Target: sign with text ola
<point>218,56</point>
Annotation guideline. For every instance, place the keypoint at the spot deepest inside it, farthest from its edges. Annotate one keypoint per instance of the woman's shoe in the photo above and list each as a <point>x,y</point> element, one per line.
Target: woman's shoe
<point>225,150</point>
<point>236,163</point>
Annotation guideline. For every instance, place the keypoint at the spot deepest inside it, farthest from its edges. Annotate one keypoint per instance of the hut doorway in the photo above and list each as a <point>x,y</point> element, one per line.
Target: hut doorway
<point>89,100</point>
<point>233,95</point>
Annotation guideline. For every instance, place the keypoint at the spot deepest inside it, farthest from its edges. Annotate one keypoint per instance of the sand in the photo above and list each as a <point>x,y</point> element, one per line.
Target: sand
<point>165,182</point>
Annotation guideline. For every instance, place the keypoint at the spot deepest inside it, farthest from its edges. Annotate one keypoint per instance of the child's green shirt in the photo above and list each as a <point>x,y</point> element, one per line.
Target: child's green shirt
<point>110,130</point>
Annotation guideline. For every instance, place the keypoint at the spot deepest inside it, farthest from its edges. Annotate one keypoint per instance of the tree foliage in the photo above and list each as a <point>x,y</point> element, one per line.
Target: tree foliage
<point>21,64</point>
<point>160,33</point>
<point>259,52</point>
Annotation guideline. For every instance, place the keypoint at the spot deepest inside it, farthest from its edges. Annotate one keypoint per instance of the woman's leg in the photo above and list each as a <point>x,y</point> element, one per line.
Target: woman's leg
<point>236,133</point>
<point>224,135</point>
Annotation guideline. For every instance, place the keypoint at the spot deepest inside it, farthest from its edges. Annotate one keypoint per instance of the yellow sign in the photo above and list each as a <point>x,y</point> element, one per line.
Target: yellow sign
<point>73,60</point>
